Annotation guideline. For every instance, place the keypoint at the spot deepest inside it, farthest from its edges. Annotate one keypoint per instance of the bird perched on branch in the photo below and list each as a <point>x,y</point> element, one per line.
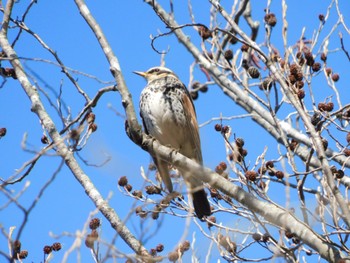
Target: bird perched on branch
<point>169,116</point>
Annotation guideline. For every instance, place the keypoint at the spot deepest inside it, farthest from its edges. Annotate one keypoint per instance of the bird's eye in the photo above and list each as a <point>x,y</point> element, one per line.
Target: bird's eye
<point>155,70</point>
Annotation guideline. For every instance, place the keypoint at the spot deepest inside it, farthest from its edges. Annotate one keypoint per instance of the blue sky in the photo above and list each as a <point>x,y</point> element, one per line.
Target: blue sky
<point>128,25</point>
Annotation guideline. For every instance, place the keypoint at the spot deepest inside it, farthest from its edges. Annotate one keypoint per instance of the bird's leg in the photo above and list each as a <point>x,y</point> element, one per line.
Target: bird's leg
<point>173,150</point>
<point>144,143</point>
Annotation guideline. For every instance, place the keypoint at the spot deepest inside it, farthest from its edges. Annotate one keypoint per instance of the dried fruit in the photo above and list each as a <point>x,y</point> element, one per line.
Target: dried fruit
<point>219,169</point>
<point>194,95</point>
<point>294,69</point>
<point>335,77</point>
<point>44,139</point>
<point>251,175</point>
<point>225,129</point>
<point>159,247</point>
<point>89,241</point>
<point>256,236</point>
<point>137,193</point>
<point>279,174</point>
<point>244,48</point>
<point>204,88</point>
<point>266,84</point>
<point>56,246</point>
<point>293,144</point>
<point>301,61</point>
<point>94,234</point>
<point>233,40</point>
<point>239,142</point>
<point>128,187</point>
<point>330,106</point>
<point>228,54</point>
<point>348,137</point>
<point>269,164</point>
<point>301,94</point>
<point>184,246</point>
<point>347,152</point>
<point>151,190</point>
<point>299,55</point>
<point>16,246</point>
<point>309,58</point>
<point>316,67</point>
<point>333,169</point>
<point>173,256</point>
<point>2,132</point>
<point>270,19</point>
<point>227,243</point>
<point>339,174</point>
<point>231,156</point>
<point>140,212</point>
<point>299,76</point>
<point>223,165</point>
<point>211,221</point>
<point>324,143</point>
<point>218,127</point>
<point>204,32</point>
<point>243,152</point>
<point>94,223</point>
<point>262,170</point>
<point>93,127</point>
<point>322,106</point>
<point>23,254</point>
<point>316,118</point>
<point>153,252</point>
<point>90,118</point>
<point>123,181</point>
<point>253,72</point>
<point>282,63</point>
<point>292,79</point>
<point>299,84</point>
<point>47,250</point>
<point>321,17</point>
<point>155,212</point>
<point>8,72</point>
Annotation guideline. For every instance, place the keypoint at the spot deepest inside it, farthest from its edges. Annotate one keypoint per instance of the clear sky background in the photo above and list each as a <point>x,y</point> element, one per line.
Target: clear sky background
<point>64,207</point>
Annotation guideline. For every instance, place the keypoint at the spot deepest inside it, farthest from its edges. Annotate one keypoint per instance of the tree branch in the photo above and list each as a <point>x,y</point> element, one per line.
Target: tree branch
<point>38,108</point>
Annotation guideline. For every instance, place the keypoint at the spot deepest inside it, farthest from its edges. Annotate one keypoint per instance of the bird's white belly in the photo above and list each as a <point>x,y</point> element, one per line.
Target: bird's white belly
<point>167,124</point>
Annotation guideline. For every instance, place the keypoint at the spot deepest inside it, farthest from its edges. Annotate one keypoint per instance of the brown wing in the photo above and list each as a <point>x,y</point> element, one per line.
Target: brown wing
<point>193,130</point>
<point>199,196</point>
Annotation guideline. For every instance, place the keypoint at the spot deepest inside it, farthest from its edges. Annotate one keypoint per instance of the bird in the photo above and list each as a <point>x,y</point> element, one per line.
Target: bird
<point>168,115</point>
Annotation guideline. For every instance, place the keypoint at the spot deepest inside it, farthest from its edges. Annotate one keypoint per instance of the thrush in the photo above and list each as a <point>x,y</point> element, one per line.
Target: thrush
<point>168,114</point>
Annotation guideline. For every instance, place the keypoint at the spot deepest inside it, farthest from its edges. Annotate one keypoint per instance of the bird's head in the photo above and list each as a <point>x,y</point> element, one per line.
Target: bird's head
<point>155,73</point>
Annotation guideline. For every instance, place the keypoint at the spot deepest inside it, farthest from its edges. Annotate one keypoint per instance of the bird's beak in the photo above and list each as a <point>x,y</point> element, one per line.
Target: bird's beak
<point>142,74</point>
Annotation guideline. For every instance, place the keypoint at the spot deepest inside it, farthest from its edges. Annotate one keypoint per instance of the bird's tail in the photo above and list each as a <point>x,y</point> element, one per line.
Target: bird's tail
<point>201,204</point>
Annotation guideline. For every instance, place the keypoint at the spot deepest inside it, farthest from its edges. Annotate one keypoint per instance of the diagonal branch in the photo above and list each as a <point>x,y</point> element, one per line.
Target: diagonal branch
<point>127,102</point>
<point>38,108</point>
